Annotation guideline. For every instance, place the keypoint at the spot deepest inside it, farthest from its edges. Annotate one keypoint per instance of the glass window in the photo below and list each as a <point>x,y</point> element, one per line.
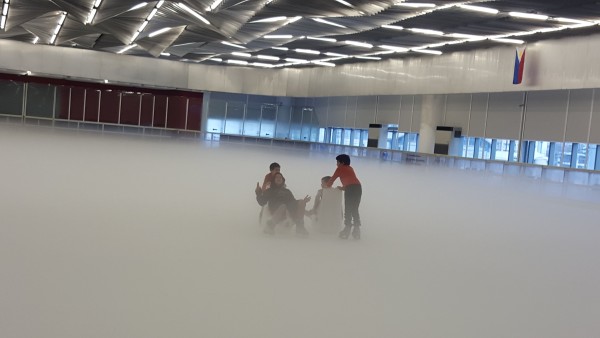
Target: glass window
<point>364,137</point>
<point>307,124</point>
<point>346,137</point>
<point>215,121</point>
<point>413,142</point>
<point>252,121</point>
<point>234,117</point>
<point>11,96</point>
<point>540,152</point>
<point>40,100</point>
<point>296,123</point>
<point>592,157</point>
<point>322,133</point>
<point>283,114</point>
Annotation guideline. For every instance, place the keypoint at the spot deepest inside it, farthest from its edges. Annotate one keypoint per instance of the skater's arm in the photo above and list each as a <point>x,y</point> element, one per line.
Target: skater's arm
<point>262,197</point>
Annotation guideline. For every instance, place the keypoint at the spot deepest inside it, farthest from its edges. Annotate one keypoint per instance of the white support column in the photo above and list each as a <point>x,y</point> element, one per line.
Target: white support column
<point>432,110</point>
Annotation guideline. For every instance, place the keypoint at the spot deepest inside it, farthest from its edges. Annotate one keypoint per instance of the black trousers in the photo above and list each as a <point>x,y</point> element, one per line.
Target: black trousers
<point>352,195</point>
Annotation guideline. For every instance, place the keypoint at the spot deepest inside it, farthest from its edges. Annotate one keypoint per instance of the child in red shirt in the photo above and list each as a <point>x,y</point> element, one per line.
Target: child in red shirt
<point>352,195</point>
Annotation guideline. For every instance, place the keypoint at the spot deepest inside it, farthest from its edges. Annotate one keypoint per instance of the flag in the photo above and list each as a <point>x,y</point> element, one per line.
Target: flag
<point>519,66</point>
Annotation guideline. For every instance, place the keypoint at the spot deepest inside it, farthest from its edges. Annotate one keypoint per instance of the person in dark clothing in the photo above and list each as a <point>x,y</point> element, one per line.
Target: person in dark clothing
<point>281,203</point>
<point>352,194</point>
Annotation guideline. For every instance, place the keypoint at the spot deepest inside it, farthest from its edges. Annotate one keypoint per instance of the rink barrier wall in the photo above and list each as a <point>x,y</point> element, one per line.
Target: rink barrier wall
<point>559,175</point>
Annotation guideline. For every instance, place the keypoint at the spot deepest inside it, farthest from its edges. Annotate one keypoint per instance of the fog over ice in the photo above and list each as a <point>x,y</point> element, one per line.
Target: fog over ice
<point>122,236</point>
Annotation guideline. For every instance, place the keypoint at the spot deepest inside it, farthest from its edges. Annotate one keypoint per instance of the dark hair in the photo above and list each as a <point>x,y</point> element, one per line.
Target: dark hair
<point>343,159</point>
<point>326,178</point>
<point>273,166</point>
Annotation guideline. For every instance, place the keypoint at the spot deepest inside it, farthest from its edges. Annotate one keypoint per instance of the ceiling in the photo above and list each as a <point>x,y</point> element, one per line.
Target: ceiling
<point>291,33</point>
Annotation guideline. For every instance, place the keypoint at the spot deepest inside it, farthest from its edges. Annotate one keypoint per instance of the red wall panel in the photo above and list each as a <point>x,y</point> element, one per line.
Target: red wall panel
<point>109,106</point>
<point>147,110</point>
<point>160,111</point>
<point>177,109</point>
<point>194,115</point>
<point>130,108</point>
<point>62,102</point>
<point>77,103</point>
<point>92,102</point>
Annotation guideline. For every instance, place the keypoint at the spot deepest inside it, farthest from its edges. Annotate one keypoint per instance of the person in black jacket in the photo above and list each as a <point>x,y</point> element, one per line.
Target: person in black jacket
<point>281,203</point>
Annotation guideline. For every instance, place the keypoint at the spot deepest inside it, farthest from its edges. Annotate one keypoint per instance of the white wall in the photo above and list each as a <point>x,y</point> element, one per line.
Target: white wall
<point>548,66</point>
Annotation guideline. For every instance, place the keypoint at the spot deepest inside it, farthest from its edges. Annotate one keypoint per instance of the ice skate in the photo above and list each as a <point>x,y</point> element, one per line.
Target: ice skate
<point>356,232</point>
<point>345,233</point>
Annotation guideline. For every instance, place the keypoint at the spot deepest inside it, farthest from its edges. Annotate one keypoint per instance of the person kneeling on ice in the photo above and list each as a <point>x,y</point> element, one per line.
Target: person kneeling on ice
<point>281,203</point>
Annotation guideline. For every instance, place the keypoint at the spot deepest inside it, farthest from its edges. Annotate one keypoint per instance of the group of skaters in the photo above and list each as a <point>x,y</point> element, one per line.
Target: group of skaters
<point>282,205</point>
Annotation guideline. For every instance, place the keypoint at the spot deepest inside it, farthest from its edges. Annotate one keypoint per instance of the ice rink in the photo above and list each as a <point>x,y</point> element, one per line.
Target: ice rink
<point>106,236</point>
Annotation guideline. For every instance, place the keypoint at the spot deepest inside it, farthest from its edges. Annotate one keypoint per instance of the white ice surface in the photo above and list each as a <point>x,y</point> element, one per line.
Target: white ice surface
<point>113,236</point>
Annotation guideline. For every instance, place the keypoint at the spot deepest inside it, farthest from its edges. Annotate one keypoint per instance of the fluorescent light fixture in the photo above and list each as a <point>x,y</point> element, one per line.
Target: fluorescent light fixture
<point>528,16</point>
<point>126,48</point>
<point>152,14</point>
<point>238,62</point>
<point>165,54</point>
<point>426,31</point>
<point>53,38</point>
<point>515,41</point>
<point>324,63</point>
<point>28,72</point>
<point>394,48</point>
<point>97,3</point>
<point>160,31</point>
<point>260,64</point>
<point>364,57</point>
<point>358,44</point>
<point>398,28</point>
<point>2,22</point>
<point>479,9</point>
<point>144,24</point>
<point>193,12</point>
<point>36,40</point>
<point>345,3</point>
<point>307,51</point>
<point>416,4</point>
<point>232,45</point>
<point>138,6</point>
<point>575,21</point>
<point>280,48</point>
<point>135,35</point>
<point>286,36</point>
<point>296,60</point>
<point>246,55</point>
<point>273,19</point>
<point>215,59</point>
<point>214,5</point>
<point>466,36</point>
<point>321,39</point>
<point>105,81</point>
<point>91,16</point>
<point>62,19</point>
<point>427,51</point>
<point>328,22</point>
<point>294,19</point>
<point>268,57</point>
<point>160,3</point>
<point>5,9</point>
<point>337,54</point>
